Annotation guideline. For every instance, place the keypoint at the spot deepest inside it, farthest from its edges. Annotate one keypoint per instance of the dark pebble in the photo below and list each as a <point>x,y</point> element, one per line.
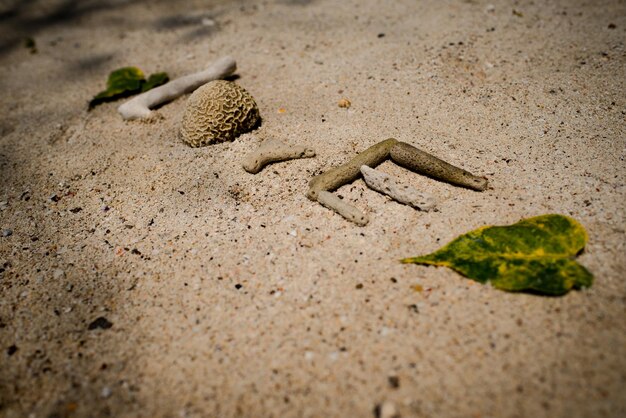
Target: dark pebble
<point>100,322</point>
<point>11,350</point>
<point>394,382</point>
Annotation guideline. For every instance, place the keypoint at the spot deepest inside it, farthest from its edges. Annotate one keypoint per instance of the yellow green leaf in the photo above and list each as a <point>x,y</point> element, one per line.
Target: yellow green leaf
<point>155,80</point>
<point>127,81</point>
<point>534,255</point>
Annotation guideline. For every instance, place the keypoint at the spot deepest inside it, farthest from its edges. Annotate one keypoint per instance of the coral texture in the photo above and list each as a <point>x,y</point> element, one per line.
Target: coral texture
<point>216,112</point>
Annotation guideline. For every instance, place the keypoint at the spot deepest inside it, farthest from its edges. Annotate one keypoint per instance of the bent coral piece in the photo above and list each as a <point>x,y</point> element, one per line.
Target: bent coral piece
<point>351,213</point>
<point>422,162</point>
<point>534,255</point>
<point>272,151</point>
<point>385,184</point>
<point>139,107</point>
<point>350,171</point>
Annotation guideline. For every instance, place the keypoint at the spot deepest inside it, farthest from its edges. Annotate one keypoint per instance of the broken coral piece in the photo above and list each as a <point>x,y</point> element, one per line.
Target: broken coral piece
<point>272,151</point>
<point>385,184</point>
<point>219,111</point>
<point>139,106</point>
<point>422,162</point>
<point>333,202</point>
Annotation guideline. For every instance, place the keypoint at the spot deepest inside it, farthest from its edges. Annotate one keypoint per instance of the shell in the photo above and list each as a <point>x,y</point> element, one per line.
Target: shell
<point>218,111</point>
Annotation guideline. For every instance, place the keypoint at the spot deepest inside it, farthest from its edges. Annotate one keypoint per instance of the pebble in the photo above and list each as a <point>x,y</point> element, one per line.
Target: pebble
<point>7,232</point>
<point>386,410</point>
<point>58,274</point>
<point>100,322</point>
<point>344,103</point>
<point>106,392</point>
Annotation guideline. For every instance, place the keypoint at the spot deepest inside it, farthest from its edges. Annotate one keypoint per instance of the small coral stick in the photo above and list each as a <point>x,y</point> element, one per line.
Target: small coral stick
<point>272,151</point>
<point>345,209</point>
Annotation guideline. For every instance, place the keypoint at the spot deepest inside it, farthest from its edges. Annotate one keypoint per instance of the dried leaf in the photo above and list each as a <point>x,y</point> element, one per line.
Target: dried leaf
<point>534,255</point>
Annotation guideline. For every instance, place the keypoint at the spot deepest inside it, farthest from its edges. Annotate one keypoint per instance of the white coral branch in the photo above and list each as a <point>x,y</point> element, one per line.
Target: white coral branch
<point>139,106</point>
<point>385,184</point>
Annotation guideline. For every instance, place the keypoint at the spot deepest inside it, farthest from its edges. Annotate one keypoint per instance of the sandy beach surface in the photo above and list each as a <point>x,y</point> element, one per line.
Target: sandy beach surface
<point>140,277</point>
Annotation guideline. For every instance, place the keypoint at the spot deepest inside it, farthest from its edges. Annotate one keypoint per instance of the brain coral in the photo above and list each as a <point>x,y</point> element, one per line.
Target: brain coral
<point>216,112</point>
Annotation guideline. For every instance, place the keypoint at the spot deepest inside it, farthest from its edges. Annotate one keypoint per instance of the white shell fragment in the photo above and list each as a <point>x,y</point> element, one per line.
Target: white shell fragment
<point>385,184</point>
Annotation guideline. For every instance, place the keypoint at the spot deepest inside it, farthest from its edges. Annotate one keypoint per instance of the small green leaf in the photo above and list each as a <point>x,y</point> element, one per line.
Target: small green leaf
<point>155,80</point>
<point>121,83</point>
<point>535,255</point>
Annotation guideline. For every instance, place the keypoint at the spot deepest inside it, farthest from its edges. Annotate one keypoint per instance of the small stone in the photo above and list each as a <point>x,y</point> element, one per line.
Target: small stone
<point>58,274</point>
<point>100,322</point>
<point>11,350</point>
<point>106,392</point>
<point>7,232</point>
<point>394,381</point>
<point>344,103</point>
<point>386,410</point>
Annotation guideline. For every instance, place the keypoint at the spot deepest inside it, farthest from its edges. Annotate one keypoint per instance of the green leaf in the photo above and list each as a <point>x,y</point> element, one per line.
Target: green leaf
<point>535,255</point>
<point>121,83</point>
<point>155,80</point>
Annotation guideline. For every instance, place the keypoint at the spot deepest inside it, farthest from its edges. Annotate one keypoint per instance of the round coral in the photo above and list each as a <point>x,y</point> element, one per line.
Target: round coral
<point>216,112</point>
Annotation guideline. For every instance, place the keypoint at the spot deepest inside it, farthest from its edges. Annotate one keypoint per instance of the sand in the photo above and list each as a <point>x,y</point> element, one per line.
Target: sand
<point>232,295</point>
